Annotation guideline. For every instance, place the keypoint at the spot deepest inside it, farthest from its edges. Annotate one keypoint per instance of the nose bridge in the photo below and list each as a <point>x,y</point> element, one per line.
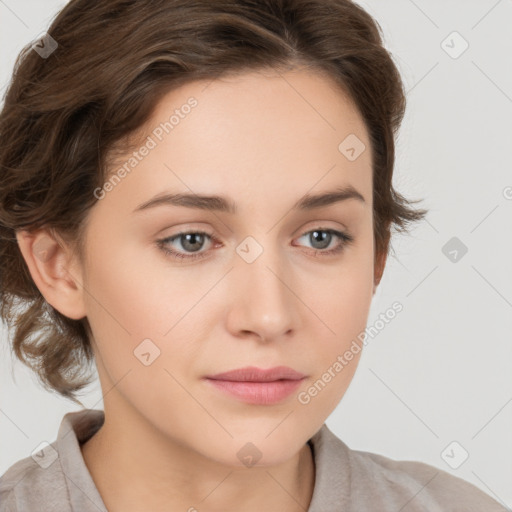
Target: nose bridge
<point>263,258</point>
<point>264,284</point>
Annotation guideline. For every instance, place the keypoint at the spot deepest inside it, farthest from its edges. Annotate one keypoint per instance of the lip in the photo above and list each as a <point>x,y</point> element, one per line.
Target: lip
<point>254,374</point>
<point>257,386</point>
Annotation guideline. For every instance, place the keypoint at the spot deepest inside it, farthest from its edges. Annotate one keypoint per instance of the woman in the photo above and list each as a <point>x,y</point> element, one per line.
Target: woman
<point>262,132</point>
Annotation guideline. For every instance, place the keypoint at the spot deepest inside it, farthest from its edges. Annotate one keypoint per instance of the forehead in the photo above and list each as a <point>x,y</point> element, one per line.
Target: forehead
<point>301,101</point>
<point>258,136</point>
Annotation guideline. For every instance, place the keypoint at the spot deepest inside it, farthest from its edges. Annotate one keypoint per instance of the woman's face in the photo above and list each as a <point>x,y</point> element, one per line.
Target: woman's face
<point>266,285</point>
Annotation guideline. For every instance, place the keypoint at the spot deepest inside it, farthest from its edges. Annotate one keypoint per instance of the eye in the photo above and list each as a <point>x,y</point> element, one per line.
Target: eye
<point>322,238</point>
<point>192,242</point>
<point>189,241</point>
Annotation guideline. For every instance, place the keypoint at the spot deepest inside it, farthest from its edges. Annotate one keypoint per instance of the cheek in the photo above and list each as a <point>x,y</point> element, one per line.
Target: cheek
<point>342,298</point>
<point>120,306</point>
<point>344,312</point>
<point>128,291</point>
<point>131,300</point>
<point>342,304</point>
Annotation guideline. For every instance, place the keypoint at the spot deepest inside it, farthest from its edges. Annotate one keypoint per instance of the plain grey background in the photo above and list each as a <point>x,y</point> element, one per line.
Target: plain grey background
<point>441,371</point>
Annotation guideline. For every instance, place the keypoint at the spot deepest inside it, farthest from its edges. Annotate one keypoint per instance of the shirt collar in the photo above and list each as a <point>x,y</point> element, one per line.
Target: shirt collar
<point>76,428</point>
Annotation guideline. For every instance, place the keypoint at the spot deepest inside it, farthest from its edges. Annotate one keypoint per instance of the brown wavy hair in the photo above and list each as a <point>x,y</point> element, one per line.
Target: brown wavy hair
<point>65,115</point>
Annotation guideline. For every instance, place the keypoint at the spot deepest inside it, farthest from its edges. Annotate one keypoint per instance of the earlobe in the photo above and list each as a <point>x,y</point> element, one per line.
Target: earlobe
<point>50,262</point>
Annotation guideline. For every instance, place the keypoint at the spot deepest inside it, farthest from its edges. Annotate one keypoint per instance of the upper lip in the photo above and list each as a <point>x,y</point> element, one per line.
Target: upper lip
<point>254,374</point>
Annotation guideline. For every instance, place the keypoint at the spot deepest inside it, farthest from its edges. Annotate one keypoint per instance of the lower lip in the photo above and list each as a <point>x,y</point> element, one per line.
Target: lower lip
<point>260,393</point>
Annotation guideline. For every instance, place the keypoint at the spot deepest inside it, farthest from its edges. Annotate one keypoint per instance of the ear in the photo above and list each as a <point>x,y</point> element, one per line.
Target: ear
<point>56,274</point>
<point>380,263</point>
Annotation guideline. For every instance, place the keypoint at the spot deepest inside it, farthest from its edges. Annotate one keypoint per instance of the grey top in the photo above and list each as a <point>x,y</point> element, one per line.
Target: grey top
<point>57,479</point>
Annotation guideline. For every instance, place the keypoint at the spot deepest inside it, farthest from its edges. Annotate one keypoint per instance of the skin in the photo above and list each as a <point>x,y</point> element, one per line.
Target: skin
<point>263,140</point>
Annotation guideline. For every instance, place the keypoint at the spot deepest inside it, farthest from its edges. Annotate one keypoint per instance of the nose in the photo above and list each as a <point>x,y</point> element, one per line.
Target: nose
<point>263,302</point>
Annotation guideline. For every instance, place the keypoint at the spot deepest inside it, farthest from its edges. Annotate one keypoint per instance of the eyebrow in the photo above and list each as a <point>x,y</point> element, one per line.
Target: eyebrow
<point>223,204</point>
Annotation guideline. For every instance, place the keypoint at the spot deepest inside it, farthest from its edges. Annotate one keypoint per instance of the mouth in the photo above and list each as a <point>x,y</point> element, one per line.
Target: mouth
<point>257,386</point>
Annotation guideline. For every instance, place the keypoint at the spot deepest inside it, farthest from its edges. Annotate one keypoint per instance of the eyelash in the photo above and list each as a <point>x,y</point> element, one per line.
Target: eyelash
<point>345,239</point>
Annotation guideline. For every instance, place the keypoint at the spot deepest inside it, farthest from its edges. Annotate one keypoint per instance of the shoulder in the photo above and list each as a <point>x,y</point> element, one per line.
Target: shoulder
<point>360,480</point>
<point>28,485</point>
<point>417,486</point>
<point>55,477</point>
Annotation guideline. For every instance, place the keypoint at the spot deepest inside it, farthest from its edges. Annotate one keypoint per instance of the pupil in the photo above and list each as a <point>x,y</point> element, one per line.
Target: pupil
<point>193,237</point>
<point>322,235</point>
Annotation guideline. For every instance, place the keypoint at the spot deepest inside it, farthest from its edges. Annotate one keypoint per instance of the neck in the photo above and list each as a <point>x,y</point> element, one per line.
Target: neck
<point>138,468</point>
